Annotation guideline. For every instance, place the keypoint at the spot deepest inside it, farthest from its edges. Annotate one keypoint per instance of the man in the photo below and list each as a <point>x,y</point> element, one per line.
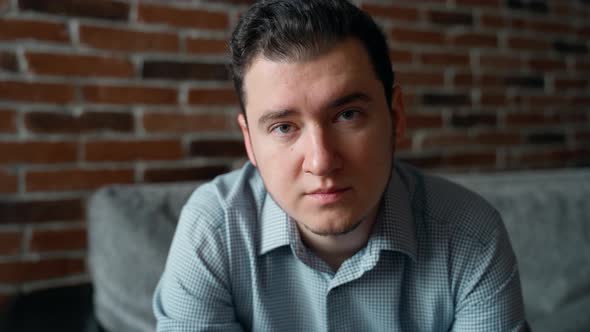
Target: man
<point>322,230</point>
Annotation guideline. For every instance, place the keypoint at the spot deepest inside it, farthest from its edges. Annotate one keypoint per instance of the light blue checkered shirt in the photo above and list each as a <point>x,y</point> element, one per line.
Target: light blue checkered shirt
<point>438,259</point>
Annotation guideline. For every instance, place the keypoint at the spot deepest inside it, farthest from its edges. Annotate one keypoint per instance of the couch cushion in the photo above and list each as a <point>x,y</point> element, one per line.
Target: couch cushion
<point>130,230</point>
<point>547,215</point>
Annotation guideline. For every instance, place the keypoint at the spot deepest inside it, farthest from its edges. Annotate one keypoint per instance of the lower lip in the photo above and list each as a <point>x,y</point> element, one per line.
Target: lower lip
<point>328,198</point>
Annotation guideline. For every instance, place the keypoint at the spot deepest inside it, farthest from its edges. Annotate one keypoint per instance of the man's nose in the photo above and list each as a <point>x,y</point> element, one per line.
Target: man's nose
<point>321,153</point>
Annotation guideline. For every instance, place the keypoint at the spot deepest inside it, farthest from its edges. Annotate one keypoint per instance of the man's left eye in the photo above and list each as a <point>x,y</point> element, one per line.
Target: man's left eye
<point>348,115</point>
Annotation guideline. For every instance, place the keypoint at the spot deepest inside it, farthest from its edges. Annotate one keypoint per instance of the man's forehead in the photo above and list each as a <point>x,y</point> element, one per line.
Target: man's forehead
<point>344,70</point>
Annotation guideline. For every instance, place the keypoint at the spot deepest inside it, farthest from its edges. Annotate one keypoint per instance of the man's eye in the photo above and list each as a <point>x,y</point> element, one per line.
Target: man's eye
<point>348,115</point>
<point>282,129</point>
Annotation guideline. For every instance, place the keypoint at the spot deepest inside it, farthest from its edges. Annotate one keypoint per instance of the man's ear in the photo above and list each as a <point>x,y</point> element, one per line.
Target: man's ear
<point>398,112</point>
<point>247,141</point>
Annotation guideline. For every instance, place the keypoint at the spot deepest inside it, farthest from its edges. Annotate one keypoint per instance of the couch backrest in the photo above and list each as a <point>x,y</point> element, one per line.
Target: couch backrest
<point>547,214</point>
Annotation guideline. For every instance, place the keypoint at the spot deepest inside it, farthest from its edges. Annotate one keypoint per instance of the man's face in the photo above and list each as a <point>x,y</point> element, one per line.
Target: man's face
<point>322,136</point>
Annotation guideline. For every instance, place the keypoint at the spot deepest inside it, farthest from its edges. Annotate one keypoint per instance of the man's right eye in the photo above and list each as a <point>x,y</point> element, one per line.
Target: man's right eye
<point>282,129</point>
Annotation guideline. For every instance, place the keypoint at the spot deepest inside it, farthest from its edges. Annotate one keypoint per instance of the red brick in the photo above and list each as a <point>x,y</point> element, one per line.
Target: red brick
<point>37,152</point>
<point>551,27</point>
<point>573,117</point>
<point>182,17</point>
<point>404,144</point>
<point>34,211</point>
<point>186,123</point>
<point>54,123</point>
<point>184,70</point>
<point>10,242</point>
<point>584,32</point>
<point>125,95</point>
<point>212,97</point>
<point>417,36</point>
<point>419,121</point>
<point>494,21</point>
<point>583,136</point>
<point>391,12</point>
<point>528,44</point>
<point>535,118</point>
<point>571,83</point>
<point>424,161</point>
<point>133,150</point>
<point>101,9</point>
<point>482,3</point>
<point>493,100</point>
<point>8,62</point>
<point>8,182</point>
<point>444,140</point>
<point>217,148</point>
<point>561,156</point>
<point>526,119</point>
<point>411,99</point>
<point>420,78</point>
<point>26,271</point>
<point>183,174</point>
<point>36,30</point>
<point>37,92</point>
<point>444,59</point>
<point>206,46</point>
<point>472,39</point>
<point>543,100</point>
<point>498,138</point>
<point>545,64</point>
<point>398,56</point>
<point>450,18</point>
<point>7,121</point>
<point>464,80</point>
<point>128,40</point>
<point>446,99</point>
<point>500,62</point>
<point>519,24</point>
<point>75,179</point>
<point>470,159</point>
<point>581,101</point>
<point>524,81</point>
<point>582,65</point>
<point>78,65</point>
<point>58,240</point>
<point>468,120</point>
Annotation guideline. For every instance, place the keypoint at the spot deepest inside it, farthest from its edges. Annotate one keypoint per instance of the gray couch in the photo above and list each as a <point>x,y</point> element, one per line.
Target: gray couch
<point>547,214</point>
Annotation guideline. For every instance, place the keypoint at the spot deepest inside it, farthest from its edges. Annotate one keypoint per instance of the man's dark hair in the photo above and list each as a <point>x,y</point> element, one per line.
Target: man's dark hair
<point>298,30</point>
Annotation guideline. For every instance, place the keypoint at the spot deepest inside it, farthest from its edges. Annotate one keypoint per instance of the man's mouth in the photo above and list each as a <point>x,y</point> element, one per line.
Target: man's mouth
<point>328,195</point>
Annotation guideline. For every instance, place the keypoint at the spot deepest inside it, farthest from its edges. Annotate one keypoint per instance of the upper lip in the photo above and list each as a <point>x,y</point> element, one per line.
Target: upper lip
<point>329,190</point>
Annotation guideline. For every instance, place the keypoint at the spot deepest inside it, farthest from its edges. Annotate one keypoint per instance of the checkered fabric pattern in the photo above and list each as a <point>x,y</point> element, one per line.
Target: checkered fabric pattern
<point>438,259</point>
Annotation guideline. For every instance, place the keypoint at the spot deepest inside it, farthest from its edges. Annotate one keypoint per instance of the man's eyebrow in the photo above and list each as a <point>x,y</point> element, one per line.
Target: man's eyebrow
<point>355,96</point>
<point>273,115</point>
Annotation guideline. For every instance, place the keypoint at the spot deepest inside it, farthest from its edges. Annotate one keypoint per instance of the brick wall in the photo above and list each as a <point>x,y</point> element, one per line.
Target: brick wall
<point>94,92</point>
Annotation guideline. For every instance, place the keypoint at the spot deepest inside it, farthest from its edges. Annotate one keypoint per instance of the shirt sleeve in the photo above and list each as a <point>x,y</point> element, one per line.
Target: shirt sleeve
<point>491,298</point>
<point>194,291</point>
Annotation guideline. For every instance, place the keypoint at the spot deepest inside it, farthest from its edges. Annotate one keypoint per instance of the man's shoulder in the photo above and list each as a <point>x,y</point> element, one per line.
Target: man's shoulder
<point>241,189</point>
<point>442,201</point>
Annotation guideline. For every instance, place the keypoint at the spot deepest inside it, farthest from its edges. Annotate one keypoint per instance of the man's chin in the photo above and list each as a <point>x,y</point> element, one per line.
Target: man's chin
<point>333,230</point>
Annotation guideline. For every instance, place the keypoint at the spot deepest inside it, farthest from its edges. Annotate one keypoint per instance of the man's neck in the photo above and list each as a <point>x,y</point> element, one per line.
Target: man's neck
<point>336,249</point>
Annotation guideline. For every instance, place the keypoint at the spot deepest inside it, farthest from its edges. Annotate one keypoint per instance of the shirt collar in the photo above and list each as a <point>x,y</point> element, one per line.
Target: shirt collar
<point>394,229</point>
<point>275,226</point>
